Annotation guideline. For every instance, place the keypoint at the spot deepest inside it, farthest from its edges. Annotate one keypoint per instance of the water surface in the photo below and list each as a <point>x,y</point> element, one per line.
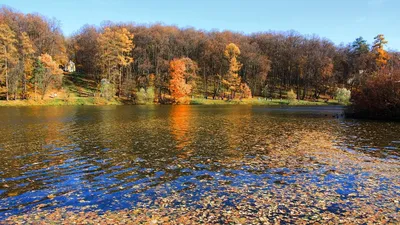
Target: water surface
<point>118,157</point>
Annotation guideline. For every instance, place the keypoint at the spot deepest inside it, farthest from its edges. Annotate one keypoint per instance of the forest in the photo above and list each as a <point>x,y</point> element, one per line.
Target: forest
<point>166,64</point>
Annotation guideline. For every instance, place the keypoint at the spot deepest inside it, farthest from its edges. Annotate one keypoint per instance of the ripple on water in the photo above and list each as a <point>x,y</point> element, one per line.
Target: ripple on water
<point>109,159</point>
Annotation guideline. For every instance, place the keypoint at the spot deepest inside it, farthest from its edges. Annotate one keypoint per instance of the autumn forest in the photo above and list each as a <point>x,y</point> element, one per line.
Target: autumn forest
<point>153,123</point>
<point>166,64</point>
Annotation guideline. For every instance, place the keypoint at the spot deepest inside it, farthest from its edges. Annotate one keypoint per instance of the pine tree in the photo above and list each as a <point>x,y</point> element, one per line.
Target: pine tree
<point>360,46</point>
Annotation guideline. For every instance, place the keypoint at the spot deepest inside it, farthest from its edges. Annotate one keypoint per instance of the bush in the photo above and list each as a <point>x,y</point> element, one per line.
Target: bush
<point>145,97</point>
<point>343,95</point>
<point>106,89</point>
<point>245,90</point>
<point>379,98</point>
<point>291,96</point>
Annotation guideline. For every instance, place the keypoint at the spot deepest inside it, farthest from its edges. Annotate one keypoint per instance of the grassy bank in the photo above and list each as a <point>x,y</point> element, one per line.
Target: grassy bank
<point>259,101</point>
<point>79,90</point>
<point>60,102</point>
<point>196,101</point>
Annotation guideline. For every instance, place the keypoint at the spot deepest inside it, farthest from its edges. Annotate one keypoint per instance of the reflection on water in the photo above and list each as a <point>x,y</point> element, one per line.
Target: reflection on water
<point>180,117</point>
<point>121,156</point>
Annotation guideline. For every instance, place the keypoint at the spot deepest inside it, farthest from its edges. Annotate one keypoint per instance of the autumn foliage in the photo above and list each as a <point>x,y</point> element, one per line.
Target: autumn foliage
<point>181,71</point>
<point>381,56</point>
<point>156,62</point>
<point>380,97</point>
<point>24,40</point>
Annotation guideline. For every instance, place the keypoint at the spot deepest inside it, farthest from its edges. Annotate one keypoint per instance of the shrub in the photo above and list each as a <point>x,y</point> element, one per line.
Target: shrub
<point>145,97</point>
<point>246,92</point>
<point>291,96</point>
<point>106,89</point>
<point>379,98</point>
<point>150,95</point>
<point>343,95</point>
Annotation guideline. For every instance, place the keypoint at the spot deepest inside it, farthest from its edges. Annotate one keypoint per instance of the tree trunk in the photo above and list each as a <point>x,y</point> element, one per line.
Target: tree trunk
<point>35,88</point>
<point>120,83</point>
<point>23,79</point>
<point>6,65</point>
<point>304,92</point>
<point>298,87</point>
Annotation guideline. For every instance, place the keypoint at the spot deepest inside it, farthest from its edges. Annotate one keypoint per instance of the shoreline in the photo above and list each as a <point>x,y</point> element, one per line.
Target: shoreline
<point>97,101</point>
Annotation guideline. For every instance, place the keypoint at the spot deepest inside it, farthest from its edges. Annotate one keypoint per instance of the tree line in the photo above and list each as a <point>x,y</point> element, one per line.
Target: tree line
<point>31,49</point>
<point>174,63</point>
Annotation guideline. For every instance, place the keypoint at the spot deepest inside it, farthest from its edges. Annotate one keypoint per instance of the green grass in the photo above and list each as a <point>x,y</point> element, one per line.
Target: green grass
<point>61,102</point>
<point>256,101</point>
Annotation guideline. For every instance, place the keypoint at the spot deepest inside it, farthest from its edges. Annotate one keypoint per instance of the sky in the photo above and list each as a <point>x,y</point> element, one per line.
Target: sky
<point>341,21</point>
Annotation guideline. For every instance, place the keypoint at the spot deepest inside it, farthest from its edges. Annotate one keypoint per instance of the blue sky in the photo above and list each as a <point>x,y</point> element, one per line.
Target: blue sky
<point>337,20</point>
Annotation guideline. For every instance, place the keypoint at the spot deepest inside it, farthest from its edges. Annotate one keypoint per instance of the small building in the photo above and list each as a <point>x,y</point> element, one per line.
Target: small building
<point>70,67</point>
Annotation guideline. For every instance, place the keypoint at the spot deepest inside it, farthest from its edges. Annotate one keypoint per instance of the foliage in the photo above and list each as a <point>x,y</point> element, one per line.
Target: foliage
<point>343,95</point>
<point>360,46</point>
<point>245,90</point>
<point>8,53</point>
<point>50,76</point>
<point>27,58</point>
<point>382,56</point>
<point>26,38</point>
<point>181,71</point>
<point>145,96</point>
<point>291,96</point>
<point>380,97</point>
<point>217,65</point>
<point>232,79</point>
<point>115,47</point>
<point>106,89</point>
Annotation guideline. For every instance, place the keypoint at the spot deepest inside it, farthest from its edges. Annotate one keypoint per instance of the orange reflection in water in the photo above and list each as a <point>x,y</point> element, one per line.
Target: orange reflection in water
<point>181,116</point>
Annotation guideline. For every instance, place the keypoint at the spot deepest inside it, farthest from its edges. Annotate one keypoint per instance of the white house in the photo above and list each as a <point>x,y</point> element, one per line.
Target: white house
<point>70,67</point>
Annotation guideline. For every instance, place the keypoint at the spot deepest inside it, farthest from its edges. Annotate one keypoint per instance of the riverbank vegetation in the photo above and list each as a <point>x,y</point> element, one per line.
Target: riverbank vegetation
<point>146,64</point>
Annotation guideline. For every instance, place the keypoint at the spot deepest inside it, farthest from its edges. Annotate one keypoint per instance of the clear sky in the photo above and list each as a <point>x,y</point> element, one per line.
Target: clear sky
<point>337,20</point>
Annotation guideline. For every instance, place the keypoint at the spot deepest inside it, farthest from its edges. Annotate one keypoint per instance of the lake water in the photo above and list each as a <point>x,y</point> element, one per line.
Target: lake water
<point>122,157</point>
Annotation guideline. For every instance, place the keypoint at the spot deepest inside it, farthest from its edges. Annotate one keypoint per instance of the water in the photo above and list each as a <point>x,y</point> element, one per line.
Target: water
<point>118,157</point>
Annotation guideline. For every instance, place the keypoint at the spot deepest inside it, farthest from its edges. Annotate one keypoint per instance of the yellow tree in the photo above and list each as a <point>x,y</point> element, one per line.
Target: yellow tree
<point>51,75</point>
<point>382,56</point>
<point>232,79</point>
<point>8,52</point>
<point>115,52</point>
<point>26,52</point>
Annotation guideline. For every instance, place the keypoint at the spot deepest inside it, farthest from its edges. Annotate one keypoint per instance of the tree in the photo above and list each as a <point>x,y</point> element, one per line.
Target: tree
<point>381,56</point>
<point>177,85</point>
<point>343,95</point>
<point>8,52</point>
<point>38,73</point>
<point>379,97</point>
<point>233,79</point>
<point>115,53</point>
<point>360,46</point>
<point>245,90</point>
<point>51,75</point>
<point>26,53</point>
<point>291,96</point>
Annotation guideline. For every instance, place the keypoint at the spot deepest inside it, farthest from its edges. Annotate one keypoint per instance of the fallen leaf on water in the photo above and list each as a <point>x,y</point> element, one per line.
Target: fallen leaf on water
<point>12,194</point>
<point>51,196</point>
